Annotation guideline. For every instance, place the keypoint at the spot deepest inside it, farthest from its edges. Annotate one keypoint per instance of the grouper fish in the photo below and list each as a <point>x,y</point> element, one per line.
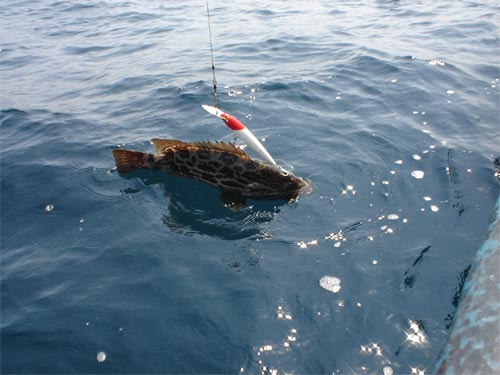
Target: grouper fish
<point>218,164</point>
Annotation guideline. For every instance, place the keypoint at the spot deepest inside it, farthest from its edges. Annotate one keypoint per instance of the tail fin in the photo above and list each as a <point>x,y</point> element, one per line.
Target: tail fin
<point>128,161</point>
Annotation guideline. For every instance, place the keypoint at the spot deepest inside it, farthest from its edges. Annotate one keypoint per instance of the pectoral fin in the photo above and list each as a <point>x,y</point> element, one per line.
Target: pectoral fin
<point>233,200</point>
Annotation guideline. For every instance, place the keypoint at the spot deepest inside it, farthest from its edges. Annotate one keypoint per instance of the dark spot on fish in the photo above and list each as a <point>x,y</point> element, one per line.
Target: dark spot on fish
<point>227,172</point>
<point>250,166</point>
<point>185,170</point>
<point>216,164</point>
<point>237,169</point>
<point>228,159</point>
<point>209,178</point>
<point>251,176</point>
<point>203,154</point>
<point>206,168</point>
<point>184,154</point>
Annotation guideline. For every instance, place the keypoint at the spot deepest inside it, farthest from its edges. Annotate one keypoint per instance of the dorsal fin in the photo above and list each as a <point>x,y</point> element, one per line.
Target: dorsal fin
<point>224,147</point>
<point>162,144</point>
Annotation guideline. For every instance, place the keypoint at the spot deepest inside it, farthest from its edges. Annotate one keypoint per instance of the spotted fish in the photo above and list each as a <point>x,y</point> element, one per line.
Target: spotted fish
<point>218,164</point>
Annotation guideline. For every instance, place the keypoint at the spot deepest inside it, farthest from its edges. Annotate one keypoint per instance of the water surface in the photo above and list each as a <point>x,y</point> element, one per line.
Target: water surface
<point>390,109</point>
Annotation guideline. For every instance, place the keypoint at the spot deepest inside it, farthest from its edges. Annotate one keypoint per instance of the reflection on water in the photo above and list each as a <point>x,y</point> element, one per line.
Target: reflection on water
<point>196,208</point>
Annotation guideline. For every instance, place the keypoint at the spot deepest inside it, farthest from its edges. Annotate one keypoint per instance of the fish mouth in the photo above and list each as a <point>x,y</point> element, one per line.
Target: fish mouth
<point>306,190</point>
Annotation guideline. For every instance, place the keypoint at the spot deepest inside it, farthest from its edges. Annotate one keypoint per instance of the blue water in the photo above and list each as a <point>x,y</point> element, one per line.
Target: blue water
<point>155,271</point>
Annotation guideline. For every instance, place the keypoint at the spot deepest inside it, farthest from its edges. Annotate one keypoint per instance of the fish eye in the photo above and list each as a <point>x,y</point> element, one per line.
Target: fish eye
<point>283,172</point>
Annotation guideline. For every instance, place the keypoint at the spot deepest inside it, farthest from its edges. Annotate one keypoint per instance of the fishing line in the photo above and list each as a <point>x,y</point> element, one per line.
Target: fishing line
<point>216,96</point>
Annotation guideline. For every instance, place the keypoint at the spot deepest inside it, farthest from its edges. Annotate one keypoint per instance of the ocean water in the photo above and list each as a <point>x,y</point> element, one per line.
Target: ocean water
<point>389,108</point>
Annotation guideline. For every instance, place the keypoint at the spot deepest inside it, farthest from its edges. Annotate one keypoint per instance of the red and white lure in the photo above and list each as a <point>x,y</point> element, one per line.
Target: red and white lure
<point>241,131</point>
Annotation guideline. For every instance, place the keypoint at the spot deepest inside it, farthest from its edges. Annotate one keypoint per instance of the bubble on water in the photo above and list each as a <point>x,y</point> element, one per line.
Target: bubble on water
<point>415,334</point>
<point>417,174</point>
<point>101,357</point>
<point>49,208</point>
<point>330,283</point>
<point>392,217</point>
<point>305,245</point>
<point>415,370</point>
<point>437,62</point>
<point>337,236</point>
